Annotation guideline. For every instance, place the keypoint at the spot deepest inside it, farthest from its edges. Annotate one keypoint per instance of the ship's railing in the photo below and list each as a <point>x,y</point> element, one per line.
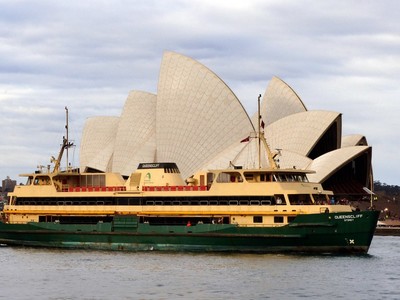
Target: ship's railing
<point>96,189</point>
<point>174,188</point>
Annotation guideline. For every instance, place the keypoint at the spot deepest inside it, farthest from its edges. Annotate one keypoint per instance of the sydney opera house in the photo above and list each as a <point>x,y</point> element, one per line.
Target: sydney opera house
<point>196,121</point>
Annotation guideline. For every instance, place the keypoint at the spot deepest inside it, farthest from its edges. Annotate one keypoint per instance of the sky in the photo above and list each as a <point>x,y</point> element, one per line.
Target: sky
<point>340,55</point>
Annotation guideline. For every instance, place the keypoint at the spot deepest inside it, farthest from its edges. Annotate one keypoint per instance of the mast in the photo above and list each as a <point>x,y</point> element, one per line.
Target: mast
<point>259,132</point>
<point>66,136</point>
<point>261,137</point>
<point>65,145</point>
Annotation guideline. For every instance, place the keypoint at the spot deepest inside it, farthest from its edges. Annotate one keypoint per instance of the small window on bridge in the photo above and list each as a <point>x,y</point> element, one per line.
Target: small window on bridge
<point>257,219</point>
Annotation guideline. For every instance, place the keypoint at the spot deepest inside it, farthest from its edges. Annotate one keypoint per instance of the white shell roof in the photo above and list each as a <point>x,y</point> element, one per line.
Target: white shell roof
<point>97,144</point>
<point>136,134</point>
<point>279,101</point>
<point>300,132</point>
<point>239,154</point>
<point>198,116</point>
<point>327,164</point>
<point>247,157</point>
<point>223,160</point>
<point>354,140</point>
<point>197,122</point>
<point>289,159</point>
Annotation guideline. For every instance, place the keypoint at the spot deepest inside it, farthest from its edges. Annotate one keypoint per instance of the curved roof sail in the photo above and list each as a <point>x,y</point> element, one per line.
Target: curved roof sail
<point>198,116</point>
<point>279,101</point>
<point>329,163</point>
<point>301,132</point>
<point>197,122</point>
<point>136,134</point>
<point>354,140</point>
<point>97,144</point>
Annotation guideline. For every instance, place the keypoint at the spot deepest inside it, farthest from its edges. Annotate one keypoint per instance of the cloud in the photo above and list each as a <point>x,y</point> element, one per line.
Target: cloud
<point>88,55</point>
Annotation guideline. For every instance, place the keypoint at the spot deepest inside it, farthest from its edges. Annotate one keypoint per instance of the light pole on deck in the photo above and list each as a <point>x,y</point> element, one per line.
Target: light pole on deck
<point>66,128</point>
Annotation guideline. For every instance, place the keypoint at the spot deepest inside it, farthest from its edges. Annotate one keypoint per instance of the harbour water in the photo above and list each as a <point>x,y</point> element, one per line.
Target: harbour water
<point>30,273</point>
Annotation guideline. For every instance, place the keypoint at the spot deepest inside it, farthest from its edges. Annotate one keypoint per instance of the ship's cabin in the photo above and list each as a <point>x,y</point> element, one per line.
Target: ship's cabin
<point>155,174</point>
<point>252,176</point>
<point>249,176</point>
<point>73,180</point>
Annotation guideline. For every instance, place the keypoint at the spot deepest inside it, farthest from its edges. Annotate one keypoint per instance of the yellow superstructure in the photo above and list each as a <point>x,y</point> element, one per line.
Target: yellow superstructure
<point>247,197</point>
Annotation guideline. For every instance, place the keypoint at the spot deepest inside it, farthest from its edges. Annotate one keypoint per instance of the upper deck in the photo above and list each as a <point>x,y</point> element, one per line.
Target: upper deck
<point>164,180</point>
<point>159,189</point>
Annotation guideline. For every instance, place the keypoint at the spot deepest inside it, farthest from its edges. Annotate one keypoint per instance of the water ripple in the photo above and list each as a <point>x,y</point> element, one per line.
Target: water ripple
<point>28,273</point>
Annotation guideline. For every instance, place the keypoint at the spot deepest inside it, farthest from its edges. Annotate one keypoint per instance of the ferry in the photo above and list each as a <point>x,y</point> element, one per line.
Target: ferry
<point>262,210</point>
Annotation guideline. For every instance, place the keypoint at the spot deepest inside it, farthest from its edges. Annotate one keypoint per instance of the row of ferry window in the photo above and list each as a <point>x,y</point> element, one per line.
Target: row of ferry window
<point>294,199</point>
<point>149,203</point>
<point>171,170</point>
<point>176,201</point>
<point>160,220</point>
<point>226,177</point>
<point>277,219</point>
<point>82,180</point>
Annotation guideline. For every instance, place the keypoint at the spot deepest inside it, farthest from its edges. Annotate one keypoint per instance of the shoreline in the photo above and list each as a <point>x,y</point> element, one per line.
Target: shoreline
<point>384,231</point>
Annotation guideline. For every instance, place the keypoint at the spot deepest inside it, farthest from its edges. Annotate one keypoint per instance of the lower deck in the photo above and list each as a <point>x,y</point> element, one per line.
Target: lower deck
<point>331,232</point>
<point>257,220</point>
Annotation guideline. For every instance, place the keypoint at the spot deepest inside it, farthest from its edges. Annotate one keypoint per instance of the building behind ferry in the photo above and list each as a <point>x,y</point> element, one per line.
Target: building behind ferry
<point>196,121</point>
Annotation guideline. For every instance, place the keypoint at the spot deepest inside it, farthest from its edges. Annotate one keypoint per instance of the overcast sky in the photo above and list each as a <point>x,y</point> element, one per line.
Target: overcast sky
<point>337,55</point>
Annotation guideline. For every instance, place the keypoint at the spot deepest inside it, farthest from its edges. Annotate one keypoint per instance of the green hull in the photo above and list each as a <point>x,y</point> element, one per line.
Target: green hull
<point>317,233</point>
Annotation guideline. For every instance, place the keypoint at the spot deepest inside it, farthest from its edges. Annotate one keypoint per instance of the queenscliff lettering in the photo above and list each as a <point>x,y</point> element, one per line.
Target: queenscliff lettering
<point>150,166</point>
<point>346,217</point>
